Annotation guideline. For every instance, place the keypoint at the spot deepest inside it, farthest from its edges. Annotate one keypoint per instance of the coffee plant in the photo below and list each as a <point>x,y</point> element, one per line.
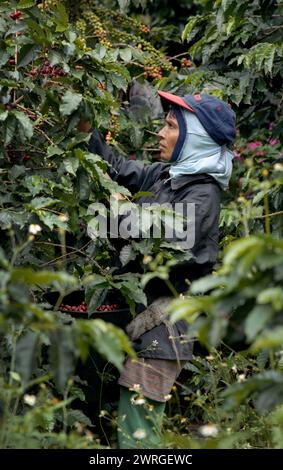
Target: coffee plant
<point>68,67</point>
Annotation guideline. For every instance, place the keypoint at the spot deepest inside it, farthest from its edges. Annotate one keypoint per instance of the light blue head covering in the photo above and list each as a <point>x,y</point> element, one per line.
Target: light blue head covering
<point>201,154</point>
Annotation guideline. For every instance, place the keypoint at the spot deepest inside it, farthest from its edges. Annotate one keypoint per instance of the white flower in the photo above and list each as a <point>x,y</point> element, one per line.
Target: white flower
<point>136,388</point>
<point>137,401</point>
<point>209,358</point>
<point>34,229</point>
<point>241,378</point>
<point>102,413</point>
<point>139,434</point>
<point>30,399</point>
<point>63,218</point>
<point>154,343</point>
<point>234,368</point>
<point>208,430</point>
<point>167,397</point>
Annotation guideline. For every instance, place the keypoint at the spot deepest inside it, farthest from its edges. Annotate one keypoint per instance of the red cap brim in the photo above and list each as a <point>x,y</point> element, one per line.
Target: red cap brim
<point>175,100</point>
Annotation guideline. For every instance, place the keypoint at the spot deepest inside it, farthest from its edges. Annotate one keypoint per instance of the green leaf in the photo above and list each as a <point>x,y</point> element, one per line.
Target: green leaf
<point>273,295</point>
<point>9,128</point>
<point>25,122</point>
<point>3,115</point>
<point>270,339</point>
<point>25,359</point>
<point>127,254</point>
<point>95,296</point>
<point>141,194</point>
<point>262,358</point>
<point>60,18</point>
<point>54,150</point>
<point>189,27</point>
<point>240,247</point>
<point>189,308</point>
<point>61,356</point>
<point>77,416</point>
<point>206,283</point>
<point>17,170</point>
<point>217,331</point>
<point>27,54</point>
<point>52,220</point>
<point>29,276</point>
<point>109,340</point>
<point>3,260</point>
<point>78,139</point>
<point>40,202</point>
<point>9,218</point>
<point>70,102</point>
<point>257,320</point>
<point>123,4</point>
<point>119,82</point>
<point>26,4</point>
<point>267,382</point>
<point>129,284</point>
<point>126,54</point>
<point>71,164</point>
<point>4,57</point>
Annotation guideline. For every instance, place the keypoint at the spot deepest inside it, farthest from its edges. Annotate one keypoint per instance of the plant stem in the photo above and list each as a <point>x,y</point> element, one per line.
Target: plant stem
<point>266,210</point>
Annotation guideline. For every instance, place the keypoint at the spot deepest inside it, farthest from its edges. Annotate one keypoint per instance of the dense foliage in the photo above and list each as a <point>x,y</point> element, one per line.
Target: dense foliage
<point>67,62</point>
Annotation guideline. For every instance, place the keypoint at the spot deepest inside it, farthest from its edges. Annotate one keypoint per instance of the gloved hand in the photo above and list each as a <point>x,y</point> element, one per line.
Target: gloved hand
<point>84,126</point>
<point>143,101</point>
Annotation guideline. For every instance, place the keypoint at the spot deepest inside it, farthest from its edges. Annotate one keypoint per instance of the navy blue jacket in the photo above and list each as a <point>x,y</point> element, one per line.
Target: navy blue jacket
<point>205,193</point>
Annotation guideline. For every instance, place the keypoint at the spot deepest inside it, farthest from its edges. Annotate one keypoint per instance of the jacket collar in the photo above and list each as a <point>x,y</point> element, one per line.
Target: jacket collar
<point>184,180</point>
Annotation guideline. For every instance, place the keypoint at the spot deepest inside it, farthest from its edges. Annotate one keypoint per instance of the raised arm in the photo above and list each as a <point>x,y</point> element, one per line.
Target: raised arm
<point>129,173</point>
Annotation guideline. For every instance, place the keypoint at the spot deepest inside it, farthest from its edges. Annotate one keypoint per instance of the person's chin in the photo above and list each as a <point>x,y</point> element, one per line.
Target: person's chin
<point>163,155</point>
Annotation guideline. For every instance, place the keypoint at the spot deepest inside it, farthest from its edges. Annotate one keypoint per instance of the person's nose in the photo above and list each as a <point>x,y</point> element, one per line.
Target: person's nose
<point>161,133</point>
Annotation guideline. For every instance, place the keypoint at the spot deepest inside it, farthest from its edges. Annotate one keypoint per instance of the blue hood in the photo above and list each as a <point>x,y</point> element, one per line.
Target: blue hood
<point>196,152</point>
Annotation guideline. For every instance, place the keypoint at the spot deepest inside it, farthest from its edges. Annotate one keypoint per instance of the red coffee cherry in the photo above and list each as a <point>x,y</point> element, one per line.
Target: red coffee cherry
<point>16,15</point>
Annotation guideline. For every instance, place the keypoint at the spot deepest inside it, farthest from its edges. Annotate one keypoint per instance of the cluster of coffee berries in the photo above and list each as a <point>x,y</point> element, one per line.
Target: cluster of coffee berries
<point>16,15</point>
<point>81,26</point>
<point>80,43</point>
<point>101,86</point>
<point>153,72</point>
<point>97,28</point>
<point>107,308</point>
<point>114,124</point>
<point>144,28</point>
<point>47,70</point>
<point>106,43</point>
<point>16,154</point>
<point>48,5</point>
<point>186,63</point>
<point>83,308</point>
<point>73,308</point>
<point>110,17</point>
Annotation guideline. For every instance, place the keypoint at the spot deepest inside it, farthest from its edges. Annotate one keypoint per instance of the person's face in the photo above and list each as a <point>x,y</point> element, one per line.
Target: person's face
<point>168,137</point>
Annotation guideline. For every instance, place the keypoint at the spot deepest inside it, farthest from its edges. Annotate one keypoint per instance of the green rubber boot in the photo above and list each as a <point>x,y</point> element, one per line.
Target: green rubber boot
<point>139,425</point>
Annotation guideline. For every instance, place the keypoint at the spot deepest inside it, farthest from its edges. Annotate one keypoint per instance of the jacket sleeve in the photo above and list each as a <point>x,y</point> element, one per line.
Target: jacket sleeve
<point>129,173</point>
<point>202,241</point>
